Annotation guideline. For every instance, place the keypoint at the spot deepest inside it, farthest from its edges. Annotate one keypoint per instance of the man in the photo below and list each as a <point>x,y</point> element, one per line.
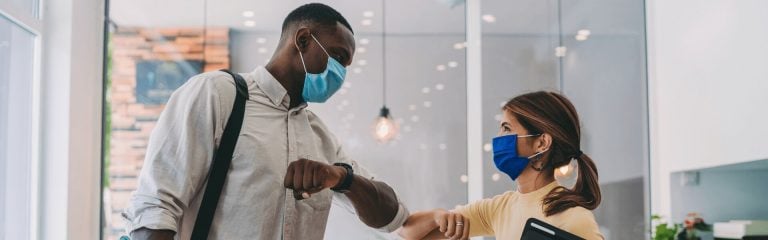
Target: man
<point>284,151</point>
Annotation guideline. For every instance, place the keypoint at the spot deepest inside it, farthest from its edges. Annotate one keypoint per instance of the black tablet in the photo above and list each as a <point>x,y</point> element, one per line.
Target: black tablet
<point>536,229</point>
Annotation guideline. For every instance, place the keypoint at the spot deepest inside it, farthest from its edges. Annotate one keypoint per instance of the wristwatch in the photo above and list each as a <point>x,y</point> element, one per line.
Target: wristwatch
<point>347,181</point>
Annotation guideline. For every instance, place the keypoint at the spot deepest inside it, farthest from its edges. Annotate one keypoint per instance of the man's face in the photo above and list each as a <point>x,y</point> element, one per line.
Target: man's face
<point>340,45</point>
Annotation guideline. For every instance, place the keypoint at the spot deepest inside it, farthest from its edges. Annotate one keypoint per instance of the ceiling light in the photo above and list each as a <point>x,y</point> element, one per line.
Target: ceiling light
<point>364,41</point>
<point>425,90</point>
<point>580,37</point>
<point>248,14</point>
<point>459,46</point>
<point>366,22</point>
<point>427,104</point>
<point>412,107</point>
<point>584,32</point>
<point>261,40</point>
<point>442,146</point>
<point>440,67</point>
<point>464,178</point>
<point>361,50</point>
<point>362,62</point>
<point>368,14</point>
<point>415,118</point>
<point>560,51</point>
<point>453,64</point>
<point>262,50</point>
<point>487,147</point>
<point>489,18</point>
<point>357,70</point>
<point>249,23</point>
<point>495,177</point>
<point>439,87</point>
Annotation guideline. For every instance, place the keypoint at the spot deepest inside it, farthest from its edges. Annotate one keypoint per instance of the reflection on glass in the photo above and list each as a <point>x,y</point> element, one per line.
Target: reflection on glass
<point>16,97</point>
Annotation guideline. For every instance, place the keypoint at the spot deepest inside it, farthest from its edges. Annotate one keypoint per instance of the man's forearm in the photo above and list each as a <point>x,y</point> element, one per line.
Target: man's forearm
<point>152,234</point>
<point>375,201</point>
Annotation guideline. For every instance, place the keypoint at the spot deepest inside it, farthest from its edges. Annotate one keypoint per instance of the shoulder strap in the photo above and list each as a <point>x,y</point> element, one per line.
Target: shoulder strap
<point>222,158</point>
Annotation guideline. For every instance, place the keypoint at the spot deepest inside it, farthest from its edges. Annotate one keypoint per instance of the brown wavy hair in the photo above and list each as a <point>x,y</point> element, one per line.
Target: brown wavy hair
<point>553,114</point>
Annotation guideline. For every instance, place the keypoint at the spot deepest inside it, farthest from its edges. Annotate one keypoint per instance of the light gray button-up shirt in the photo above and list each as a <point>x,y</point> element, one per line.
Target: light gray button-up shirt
<point>254,204</point>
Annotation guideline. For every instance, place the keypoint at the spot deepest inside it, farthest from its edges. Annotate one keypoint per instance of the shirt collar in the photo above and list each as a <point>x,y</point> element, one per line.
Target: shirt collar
<point>271,87</point>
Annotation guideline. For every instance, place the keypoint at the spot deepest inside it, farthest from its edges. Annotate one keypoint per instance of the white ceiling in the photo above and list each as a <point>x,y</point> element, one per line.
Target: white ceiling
<point>403,16</point>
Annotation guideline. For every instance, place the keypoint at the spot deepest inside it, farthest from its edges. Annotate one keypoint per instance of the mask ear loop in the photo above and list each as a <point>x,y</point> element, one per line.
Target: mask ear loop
<point>301,55</point>
<point>321,45</point>
<point>537,157</point>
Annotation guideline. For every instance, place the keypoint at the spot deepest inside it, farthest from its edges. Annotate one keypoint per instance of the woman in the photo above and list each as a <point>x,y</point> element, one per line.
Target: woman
<point>539,134</point>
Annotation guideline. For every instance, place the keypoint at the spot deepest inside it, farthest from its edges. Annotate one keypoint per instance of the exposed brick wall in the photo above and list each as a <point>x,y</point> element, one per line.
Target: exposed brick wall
<point>132,122</point>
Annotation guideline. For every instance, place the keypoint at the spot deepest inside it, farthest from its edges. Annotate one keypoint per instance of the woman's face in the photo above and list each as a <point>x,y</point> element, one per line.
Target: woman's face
<point>510,125</point>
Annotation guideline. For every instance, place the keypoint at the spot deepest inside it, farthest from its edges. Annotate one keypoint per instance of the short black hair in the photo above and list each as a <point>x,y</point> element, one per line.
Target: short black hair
<point>316,13</point>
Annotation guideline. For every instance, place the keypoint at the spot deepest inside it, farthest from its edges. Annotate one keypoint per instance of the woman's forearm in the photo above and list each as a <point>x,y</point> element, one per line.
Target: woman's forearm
<point>419,224</point>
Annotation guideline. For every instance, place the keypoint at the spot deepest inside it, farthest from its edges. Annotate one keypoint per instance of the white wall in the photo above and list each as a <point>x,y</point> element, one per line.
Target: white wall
<point>708,86</point>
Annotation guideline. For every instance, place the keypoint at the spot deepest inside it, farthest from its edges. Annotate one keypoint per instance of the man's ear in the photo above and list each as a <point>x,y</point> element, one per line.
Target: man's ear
<point>301,39</point>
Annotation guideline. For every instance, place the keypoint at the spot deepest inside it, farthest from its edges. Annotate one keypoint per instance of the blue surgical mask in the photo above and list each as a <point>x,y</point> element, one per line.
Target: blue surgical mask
<point>506,157</point>
<point>319,87</point>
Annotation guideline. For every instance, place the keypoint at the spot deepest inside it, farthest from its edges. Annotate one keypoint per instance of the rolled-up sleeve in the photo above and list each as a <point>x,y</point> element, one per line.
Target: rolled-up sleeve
<point>178,157</point>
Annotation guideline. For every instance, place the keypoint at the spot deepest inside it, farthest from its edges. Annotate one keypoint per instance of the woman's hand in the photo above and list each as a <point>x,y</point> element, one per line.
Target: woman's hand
<point>453,225</point>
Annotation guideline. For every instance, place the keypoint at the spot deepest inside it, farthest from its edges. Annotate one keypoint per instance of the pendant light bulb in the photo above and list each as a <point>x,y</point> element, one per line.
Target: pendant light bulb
<point>385,128</point>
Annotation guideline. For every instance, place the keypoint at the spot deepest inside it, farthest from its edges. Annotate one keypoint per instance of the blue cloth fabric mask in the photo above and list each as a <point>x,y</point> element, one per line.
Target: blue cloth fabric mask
<point>506,157</point>
<point>319,87</point>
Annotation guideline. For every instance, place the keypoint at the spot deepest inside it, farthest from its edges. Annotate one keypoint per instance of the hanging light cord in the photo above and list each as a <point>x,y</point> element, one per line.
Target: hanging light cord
<point>560,42</point>
<point>383,53</point>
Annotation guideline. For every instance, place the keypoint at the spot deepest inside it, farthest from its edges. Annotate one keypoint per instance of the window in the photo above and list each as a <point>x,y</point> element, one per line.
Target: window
<point>18,107</point>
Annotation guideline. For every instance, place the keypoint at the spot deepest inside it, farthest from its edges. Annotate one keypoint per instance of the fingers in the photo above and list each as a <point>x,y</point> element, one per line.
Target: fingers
<point>298,174</point>
<point>451,225</point>
<point>442,222</point>
<point>459,232</point>
<point>309,176</point>
<point>288,180</point>
<point>466,229</point>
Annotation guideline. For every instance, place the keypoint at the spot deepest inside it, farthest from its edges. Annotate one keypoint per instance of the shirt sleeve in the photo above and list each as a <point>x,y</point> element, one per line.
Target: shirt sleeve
<point>178,156</point>
<point>480,215</point>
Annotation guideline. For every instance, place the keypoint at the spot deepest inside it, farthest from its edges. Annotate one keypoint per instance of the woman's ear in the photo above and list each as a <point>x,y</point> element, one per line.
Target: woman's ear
<point>543,142</point>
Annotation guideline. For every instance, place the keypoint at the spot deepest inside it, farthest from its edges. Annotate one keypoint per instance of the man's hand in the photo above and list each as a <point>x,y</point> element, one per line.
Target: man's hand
<point>306,177</point>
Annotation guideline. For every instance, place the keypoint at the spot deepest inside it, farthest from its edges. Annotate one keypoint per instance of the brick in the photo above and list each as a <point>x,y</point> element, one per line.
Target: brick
<point>171,48</point>
<point>189,40</point>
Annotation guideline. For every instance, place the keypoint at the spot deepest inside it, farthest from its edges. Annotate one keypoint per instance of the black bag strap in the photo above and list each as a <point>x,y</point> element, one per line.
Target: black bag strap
<point>222,158</point>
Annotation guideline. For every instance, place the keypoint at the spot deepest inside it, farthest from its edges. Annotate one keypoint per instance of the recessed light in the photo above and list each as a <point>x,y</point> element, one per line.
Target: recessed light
<point>439,87</point>
<point>440,67</point>
<point>362,62</point>
<point>248,14</point>
<point>585,32</point>
<point>581,37</point>
<point>427,104</point>
<point>249,23</point>
<point>412,107</point>
<point>489,18</point>
<point>415,118</point>
<point>364,41</point>
<point>487,147</point>
<point>368,14</point>
<point>453,64</point>
<point>464,178</point>
<point>495,177</point>
<point>425,90</point>
<point>366,22</point>
<point>357,70</point>
<point>560,51</point>
<point>261,40</point>
<point>442,146</point>
<point>459,46</point>
<point>361,50</point>
<point>262,50</point>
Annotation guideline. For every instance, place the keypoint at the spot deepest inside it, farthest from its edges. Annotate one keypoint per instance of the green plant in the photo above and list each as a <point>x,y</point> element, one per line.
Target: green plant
<point>663,230</point>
